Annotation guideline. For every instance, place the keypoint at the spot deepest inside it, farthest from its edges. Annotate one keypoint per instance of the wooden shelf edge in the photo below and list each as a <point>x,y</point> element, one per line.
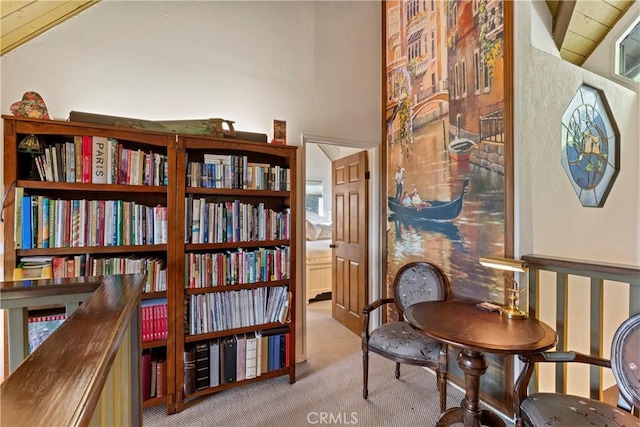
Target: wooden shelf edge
<point>265,376</point>
<point>231,245</point>
<point>78,186</point>
<point>230,332</point>
<point>225,288</point>
<point>153,344</point>
<point>92,250</point>
<point>237,192</point>
<point>154,401</point>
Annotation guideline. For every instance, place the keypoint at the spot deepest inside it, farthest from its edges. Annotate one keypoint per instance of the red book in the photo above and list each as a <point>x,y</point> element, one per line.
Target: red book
<point>287,346</point>
<point>87,149</point>
<point>165,323</point>
<point>161,383</point>
<point>70,267</point>
<point>58,266</point>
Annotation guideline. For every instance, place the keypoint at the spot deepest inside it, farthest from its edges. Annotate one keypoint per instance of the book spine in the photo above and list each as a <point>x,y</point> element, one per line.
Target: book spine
<point>77,143</point>
<point>26,222</point>
<point>19,217</point>
<point>99,160</point>
<point>189,371</point>
<point>87,148</point>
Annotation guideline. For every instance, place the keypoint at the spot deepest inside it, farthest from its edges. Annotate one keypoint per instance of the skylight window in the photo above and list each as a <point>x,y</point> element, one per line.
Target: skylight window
<point>627,60</point>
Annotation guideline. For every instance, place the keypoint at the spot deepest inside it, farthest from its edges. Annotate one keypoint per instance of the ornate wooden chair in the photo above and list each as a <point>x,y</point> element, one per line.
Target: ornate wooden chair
<point>555,409</point>
<point>398,340</point>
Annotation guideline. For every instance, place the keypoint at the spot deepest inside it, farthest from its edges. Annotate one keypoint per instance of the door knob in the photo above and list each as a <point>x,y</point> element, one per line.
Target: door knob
<point>332,246</point>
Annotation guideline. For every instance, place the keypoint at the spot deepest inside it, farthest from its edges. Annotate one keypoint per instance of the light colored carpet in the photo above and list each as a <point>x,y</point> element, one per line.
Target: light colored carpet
<point>328,388</point>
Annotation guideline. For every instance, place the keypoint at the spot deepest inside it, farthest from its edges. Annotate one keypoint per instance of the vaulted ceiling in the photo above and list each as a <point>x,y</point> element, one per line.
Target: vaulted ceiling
<point>578,25</point>
<point>22,20</point>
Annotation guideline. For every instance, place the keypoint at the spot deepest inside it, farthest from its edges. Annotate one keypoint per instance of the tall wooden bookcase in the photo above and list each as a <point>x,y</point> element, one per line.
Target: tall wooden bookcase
<point>256,196</point>
<point>255,189</point>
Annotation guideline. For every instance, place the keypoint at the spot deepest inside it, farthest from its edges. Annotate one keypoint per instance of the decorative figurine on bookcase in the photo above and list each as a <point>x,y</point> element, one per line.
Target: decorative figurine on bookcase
<point>32,147</point>
<point>223,128</point>
<point>279,132</point>
<point>31,105</point>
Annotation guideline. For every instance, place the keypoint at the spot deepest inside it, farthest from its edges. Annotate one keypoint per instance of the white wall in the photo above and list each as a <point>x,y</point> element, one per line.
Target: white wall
<point>551,219</point>
<point>314,64</point>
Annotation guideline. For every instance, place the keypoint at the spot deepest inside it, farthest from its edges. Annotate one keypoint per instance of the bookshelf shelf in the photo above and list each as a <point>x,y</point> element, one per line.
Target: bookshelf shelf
<point>231,332</point>
<point>154,401</point>
<point>236,192</point>
<point>222,387</point>
<point>229,245</point>
<point>226,288</point>
<point>153,344</point>
<point>92,188</point>
<point>261,183</point>
<point>92,250</point>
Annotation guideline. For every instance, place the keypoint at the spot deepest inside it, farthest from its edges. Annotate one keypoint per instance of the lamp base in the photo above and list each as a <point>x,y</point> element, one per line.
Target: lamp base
<point>513,312</point>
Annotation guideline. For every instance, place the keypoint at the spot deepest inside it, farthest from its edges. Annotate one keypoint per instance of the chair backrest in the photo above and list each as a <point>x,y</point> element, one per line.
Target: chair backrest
<point>625,360</point>
<point>420,281</point>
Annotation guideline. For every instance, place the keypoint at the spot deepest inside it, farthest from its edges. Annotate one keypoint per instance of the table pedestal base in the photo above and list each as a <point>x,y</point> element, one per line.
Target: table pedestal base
<point>473,364</point>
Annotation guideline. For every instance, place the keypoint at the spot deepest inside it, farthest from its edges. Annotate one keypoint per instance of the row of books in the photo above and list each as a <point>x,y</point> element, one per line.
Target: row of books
<point>40,327</point>
<point>221,311</point>
<point>231,359</point>
<point>238,267</point>
<point>230,171</point>
<point>154,373</point>
<point>233,221</point>
<point>101,160</point>
<point>154,323</point>
<point>43,222</point>
<point>47,267</point>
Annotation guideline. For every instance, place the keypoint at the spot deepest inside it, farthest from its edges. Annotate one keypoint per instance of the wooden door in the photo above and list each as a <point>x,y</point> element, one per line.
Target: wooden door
<point>350,227</point>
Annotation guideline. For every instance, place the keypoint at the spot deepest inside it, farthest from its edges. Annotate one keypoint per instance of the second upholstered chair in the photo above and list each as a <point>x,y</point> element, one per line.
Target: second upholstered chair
<point>559,409</point>
<point>398,340</point>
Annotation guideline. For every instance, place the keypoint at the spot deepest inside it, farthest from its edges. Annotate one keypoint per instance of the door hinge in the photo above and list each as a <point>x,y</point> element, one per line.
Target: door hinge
<point>367,175</point>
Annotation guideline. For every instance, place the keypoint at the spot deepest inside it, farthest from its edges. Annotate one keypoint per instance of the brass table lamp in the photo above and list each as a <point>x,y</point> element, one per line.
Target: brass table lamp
<point>507,265</point>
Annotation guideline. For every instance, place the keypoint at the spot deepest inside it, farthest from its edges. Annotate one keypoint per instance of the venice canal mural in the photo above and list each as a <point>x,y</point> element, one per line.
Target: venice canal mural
<point>445,140</point>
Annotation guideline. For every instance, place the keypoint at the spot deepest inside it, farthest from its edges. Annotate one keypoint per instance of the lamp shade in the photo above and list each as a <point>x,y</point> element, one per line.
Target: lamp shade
<point>507,264</point>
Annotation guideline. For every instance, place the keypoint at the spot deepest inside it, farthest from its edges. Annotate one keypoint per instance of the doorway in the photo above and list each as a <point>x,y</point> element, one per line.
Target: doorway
<point>317,155</point>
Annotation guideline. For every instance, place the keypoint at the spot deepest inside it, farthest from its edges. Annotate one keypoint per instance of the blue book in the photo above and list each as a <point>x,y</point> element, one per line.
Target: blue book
<point>45,222</point>
<point>270,359</point>
<point>276,351</point>
<point>26,222</point>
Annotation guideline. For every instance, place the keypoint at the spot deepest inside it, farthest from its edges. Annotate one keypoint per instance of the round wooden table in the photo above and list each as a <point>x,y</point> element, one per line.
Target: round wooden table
<point>475,332</point>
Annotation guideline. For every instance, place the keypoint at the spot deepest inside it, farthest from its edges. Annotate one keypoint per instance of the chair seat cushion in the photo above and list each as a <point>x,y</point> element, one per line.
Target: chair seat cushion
<point>401,340</point>
<point>551,409</point>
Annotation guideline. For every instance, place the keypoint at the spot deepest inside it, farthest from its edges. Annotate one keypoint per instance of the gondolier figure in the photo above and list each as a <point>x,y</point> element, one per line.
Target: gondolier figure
<point>400,173</point>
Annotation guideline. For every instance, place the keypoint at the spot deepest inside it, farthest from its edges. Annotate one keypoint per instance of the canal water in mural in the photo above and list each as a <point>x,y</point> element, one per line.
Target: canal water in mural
<point>455,244</point>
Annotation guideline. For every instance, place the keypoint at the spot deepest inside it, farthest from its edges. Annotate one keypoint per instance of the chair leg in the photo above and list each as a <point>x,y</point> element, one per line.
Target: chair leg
<point>442,388</point>
<point>397,370</point>
<point>365,372</point>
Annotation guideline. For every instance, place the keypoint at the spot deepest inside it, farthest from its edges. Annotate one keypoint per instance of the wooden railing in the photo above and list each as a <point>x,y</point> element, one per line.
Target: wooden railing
<point>593,283</point>
<point>88,371</point>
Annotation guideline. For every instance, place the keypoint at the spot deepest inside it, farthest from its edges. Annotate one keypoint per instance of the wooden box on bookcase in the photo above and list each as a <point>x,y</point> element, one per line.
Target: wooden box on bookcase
<point>236,241</point>
<point>99,200</point>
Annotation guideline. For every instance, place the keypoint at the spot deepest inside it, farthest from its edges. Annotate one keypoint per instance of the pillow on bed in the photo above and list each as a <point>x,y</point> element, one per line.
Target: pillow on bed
<point>312,231</point>
<point>325,231</point>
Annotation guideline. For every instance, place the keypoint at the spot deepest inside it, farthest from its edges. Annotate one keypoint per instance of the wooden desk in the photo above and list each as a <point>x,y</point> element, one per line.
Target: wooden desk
<point>476,331</point>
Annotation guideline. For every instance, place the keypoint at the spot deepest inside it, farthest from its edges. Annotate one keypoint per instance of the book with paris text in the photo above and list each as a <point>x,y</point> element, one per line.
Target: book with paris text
<point>279,132</point>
